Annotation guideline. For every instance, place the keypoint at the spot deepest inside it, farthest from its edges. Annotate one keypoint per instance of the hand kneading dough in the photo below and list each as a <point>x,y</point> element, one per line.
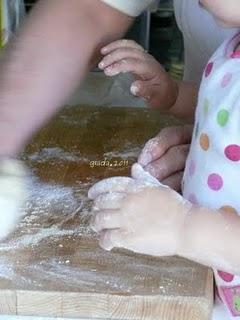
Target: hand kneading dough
<point>12,194</point>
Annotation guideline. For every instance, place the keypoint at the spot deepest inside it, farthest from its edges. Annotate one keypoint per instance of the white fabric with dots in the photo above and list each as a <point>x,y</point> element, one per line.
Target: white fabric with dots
<point>212,173</point>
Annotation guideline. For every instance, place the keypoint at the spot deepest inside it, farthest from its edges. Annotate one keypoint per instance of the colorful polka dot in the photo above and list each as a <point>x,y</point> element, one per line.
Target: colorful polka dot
<point>206,105</point>
<point>192,168</point>
<point>229,209</point>
<point>232,152</point>
<point>227,277</point>
<point>208,69</point>
<point>204,141</point>
<point>193,199</point>
<point>222,117</point>
<point>235,54</point>
<point>215,182</point>
<point>226,79</point>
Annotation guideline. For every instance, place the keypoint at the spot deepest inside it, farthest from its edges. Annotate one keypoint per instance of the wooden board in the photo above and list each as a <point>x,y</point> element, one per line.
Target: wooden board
<point>52,265</point>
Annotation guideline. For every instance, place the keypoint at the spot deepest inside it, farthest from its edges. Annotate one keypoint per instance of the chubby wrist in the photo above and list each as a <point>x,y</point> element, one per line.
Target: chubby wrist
<point>197,236</point>
<point>183,236</point>
<point>164,95</point>
<point>172,92</point>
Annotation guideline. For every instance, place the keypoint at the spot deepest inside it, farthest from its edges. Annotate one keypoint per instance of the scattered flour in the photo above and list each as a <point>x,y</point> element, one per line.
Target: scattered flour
<point>28,240</point>
<point>45,198</point>
<point>56,153</point>
<point>41,214</point>
<point>40,254</point>
<point>124,154</point>
<point>48,223</point>
<point>6,270</point>
<point>48,217</point>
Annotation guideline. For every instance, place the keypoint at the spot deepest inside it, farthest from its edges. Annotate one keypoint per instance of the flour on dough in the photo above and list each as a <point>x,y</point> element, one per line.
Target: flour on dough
<point>12,194</point>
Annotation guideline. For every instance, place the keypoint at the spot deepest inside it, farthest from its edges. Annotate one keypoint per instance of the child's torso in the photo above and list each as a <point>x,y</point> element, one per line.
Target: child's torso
<point>212,174</point>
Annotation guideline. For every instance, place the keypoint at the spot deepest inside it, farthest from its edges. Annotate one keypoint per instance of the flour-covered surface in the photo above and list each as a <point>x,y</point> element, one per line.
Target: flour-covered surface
<point>53,249</point>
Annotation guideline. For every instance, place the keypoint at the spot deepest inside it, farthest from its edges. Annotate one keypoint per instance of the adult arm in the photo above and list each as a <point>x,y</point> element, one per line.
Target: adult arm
<point>44,63</point>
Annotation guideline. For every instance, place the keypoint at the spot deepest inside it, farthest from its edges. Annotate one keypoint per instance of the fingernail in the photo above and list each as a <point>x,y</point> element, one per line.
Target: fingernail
<point>134,90</point>
<point>105,242</point>
<point>104,49</point>
<point>107,247</point>
<point>101,65</point>
<point>145,158</point>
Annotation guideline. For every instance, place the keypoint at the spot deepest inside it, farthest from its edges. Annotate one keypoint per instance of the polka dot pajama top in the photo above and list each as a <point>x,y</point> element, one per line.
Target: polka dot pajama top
<point>212,174</point>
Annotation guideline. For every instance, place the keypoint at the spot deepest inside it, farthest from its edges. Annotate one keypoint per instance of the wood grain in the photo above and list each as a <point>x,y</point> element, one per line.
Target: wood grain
<point>52,265</point>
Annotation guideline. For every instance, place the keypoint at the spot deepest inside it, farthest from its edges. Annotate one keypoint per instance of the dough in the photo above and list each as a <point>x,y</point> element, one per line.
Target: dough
<point>12,194</point>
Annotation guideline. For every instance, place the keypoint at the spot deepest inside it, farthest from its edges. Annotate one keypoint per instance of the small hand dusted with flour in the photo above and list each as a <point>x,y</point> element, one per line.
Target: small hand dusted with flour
<point>125,223</point>
<point>152,82</point>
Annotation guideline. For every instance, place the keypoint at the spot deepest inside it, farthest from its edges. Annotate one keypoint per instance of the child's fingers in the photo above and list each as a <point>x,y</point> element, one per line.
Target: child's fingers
<point>132,65</point>
<point>111,200</point>
<point>121,54</point>
<point>113,238</point>
<point>153,149</point>
<point>121,44</point>
<point>167,138</point>
<point>107,219</point>
<point>140,174</point>
<point>171,162</point>
<point>115,184</point>
<point>174,181</point>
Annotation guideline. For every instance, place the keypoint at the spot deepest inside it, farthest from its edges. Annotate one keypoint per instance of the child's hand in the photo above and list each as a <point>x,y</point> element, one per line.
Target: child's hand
<point>164,156</point>
<point>152,82</point>
<point>145,217</point>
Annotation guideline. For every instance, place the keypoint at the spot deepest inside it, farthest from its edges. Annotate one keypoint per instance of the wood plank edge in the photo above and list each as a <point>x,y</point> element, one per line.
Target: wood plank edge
<point>102,306</point>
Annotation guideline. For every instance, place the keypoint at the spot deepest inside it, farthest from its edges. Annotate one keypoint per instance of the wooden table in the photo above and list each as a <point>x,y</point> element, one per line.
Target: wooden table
<point>52,265</point>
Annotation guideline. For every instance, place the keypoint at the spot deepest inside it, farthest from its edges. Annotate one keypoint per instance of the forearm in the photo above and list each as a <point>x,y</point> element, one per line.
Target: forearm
<point>186,101</point>
<point>42,66</point>
<point>211,238</point>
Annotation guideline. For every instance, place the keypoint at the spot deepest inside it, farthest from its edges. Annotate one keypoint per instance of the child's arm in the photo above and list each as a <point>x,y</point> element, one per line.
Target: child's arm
<point>142,216</point>
<point>211,237</point>
<point>152,82</point>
